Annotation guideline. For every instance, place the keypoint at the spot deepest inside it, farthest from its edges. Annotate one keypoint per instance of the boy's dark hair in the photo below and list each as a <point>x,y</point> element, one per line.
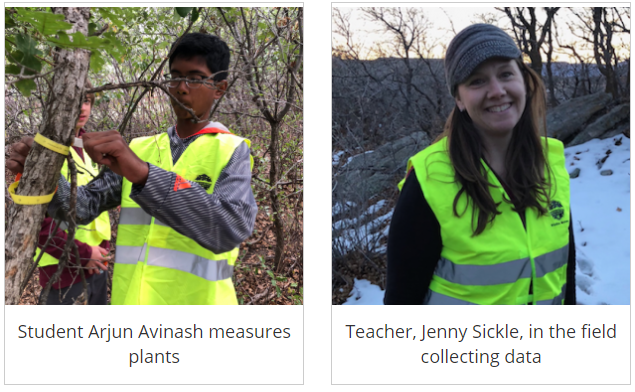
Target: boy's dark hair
<point>213,49</point>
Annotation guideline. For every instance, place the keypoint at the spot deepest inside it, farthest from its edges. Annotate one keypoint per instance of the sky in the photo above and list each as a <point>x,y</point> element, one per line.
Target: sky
<point>444,23</point>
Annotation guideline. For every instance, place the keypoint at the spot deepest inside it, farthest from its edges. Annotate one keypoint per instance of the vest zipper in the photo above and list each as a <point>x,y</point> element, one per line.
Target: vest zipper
<point>533,267</point>
<point>145,257</point>
<point>505,193</point>
<point>146,241</point>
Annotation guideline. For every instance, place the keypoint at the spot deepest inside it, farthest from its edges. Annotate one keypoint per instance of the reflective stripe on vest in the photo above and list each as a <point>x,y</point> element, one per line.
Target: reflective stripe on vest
<point>559,300</point>
<point>134,216</point>
<point>154,263</point>
<point>435,298</point>
<point>207,269</point>
<point>509,272</point>
<point>501,264</point>
<point>137,216</point>
<point>96,231</point>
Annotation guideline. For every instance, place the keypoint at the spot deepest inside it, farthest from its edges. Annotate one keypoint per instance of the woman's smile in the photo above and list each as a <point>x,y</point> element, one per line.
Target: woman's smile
<point>494,96</point>
<point>498,109</point>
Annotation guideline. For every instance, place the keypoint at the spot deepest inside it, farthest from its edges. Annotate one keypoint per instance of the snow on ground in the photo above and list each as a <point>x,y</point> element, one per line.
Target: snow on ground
<point>338,208</point>
<point>336,157</point>
<point>601,206</point>
<point>344,223</point>
<point>364,237</point>
<point>365,293</point>
<point>601,212</point>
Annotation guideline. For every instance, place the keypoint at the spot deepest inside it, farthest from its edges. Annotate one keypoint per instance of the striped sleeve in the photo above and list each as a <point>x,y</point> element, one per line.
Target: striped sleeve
<point>219,221</point>
<point>99,195</point>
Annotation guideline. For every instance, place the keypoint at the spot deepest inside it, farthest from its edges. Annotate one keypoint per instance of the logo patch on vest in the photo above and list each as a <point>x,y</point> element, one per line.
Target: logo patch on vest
<point>204,180</point>
<point>181,183</point>
<point>556,209</point>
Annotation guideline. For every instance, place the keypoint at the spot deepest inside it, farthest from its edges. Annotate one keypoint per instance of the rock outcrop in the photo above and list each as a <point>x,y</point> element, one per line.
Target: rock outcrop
<point>581,119</point>
<point>567,119</point>
<point>604,124</point>
<point>368,174</point>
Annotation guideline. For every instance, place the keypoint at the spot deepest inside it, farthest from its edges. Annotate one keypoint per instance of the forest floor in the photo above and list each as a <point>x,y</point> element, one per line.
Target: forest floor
<point>357,265</point>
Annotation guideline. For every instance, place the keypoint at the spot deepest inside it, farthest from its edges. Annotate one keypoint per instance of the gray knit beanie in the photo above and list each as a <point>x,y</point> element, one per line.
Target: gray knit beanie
<point>472,46</point>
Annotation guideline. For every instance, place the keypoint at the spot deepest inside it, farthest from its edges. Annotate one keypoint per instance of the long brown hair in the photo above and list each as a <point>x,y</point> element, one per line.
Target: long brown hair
<point>525,159</point>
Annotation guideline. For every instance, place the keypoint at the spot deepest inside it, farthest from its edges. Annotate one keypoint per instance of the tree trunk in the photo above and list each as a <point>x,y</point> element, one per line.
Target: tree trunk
<point>42,167</point>
<point>552,87</point>
<point>278,223</point>
<point>603,49</point>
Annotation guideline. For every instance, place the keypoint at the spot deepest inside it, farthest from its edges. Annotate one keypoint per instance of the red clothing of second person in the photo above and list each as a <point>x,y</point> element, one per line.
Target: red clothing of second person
<point>55,247</point>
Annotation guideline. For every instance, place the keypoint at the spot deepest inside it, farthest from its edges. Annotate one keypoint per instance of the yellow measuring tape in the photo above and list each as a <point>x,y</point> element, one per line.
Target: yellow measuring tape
<point>51,145</point>
<point>28,200</point>
<point>34,200</point>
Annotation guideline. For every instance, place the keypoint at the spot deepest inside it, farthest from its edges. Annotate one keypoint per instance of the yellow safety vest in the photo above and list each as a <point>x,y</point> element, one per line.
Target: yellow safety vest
<point>96,231</point>
<point>155,265</point>
<point>497,266</point>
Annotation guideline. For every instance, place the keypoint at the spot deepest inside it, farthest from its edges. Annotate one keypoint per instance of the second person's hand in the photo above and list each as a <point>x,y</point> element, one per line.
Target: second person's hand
<point>98,258</point>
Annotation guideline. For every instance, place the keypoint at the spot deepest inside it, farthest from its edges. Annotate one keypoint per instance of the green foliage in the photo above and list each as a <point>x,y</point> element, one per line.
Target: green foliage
<point>45,23</point>
<point>79,41</point>
<point>31,34</point>
<point>97,62</point>
<point>23,61</point>
<point>115,48</point>
<point>26,86</point>
<point>27,52</point>
<point>8,20</point>
<point>195,15</point>
<point>119,16</point>
<point>183,11</point>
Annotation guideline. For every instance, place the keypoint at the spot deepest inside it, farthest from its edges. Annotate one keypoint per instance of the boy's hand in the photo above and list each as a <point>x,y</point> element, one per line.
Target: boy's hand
<point>108,148</point>
<point>19,151</point>
<point>98,256</point>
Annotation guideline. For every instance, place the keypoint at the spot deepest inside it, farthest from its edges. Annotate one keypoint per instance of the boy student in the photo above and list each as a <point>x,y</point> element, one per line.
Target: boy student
<point>185,194</point>
<point>92,239</point>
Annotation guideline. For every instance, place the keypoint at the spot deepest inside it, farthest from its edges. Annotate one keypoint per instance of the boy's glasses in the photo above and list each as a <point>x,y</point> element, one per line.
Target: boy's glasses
<point>192,82</point>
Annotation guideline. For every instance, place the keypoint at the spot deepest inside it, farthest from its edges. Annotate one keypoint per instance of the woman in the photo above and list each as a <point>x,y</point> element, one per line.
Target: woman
<point>483,216</point>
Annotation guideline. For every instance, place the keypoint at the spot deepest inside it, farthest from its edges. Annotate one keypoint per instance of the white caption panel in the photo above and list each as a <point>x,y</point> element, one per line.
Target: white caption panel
<point>481,345</point>
<point>154,344</point>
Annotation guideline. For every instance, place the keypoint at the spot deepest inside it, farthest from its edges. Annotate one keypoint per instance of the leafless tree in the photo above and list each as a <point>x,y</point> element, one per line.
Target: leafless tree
<point>531,34</point>
<point>598,26</point>
<point>274,93</point>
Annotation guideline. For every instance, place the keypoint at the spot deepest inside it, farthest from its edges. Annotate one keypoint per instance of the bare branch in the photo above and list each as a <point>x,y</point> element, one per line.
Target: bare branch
<point>100,31</point>
<point>26,77</point>
<point>70,240</point>
<point>148,84</point>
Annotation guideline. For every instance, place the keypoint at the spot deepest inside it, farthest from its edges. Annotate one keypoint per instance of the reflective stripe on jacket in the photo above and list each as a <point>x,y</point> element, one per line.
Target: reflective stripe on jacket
<point>96,231</point>
<point>154,263</point>
<point>499,265</point>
